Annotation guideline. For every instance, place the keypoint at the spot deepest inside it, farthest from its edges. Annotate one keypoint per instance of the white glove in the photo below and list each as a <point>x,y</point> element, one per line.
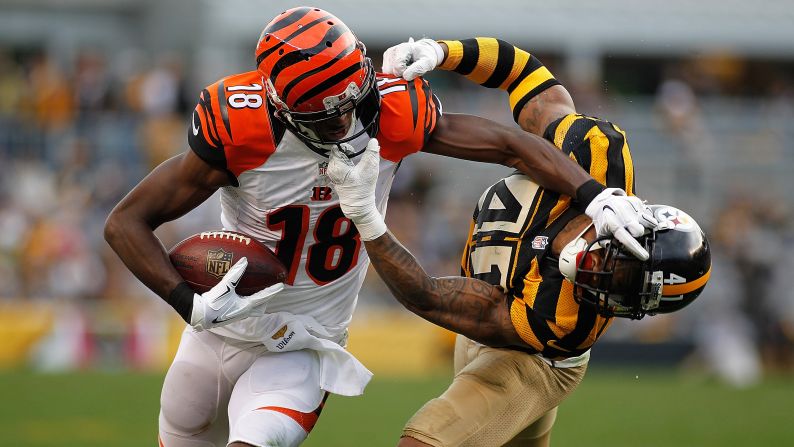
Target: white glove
<point>412,59</point>
<point>355,185</point>
<point>625,217</point>
<point>221,305</point>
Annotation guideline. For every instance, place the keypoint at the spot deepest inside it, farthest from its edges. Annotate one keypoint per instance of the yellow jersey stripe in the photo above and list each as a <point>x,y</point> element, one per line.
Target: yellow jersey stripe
<point>599,144</point>
<point>531,283</point>
<point>562,130</point>
<point>566,315</point>
<point>518,314</point>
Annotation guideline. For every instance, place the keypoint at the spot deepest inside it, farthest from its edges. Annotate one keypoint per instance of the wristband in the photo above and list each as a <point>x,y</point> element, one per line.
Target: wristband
<point>370,227</point>
<point>586,193</point>
<point>181,299</point>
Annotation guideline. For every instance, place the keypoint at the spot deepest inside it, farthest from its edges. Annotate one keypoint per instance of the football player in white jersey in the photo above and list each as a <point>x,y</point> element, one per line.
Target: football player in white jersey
<point>263,138</point>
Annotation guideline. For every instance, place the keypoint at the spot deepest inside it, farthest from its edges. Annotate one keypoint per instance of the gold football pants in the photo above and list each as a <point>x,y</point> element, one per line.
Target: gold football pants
<point>498,397</point>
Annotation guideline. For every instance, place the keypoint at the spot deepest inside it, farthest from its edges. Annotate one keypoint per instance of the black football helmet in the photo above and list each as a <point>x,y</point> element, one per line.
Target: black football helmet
<point>620,285</point>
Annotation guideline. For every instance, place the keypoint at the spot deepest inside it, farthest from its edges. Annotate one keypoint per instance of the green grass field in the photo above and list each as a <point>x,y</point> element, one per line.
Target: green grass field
<point>615,408</point>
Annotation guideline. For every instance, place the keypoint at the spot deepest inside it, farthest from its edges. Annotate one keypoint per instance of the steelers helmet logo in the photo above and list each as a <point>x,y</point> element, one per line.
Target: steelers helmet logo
<point>674,219</point>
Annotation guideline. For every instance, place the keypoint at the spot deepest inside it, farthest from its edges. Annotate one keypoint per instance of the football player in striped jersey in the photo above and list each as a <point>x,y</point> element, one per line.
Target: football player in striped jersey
<point>262,139</point>
<point>534,296</point>
<point>539,278</point>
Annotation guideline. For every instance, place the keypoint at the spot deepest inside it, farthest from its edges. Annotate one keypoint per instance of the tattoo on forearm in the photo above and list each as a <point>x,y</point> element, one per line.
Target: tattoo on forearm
<point>532,119</point>
<point>464,305</point>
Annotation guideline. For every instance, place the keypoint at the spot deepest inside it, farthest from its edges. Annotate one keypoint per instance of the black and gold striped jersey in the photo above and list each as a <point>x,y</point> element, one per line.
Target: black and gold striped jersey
<point>512,231</point>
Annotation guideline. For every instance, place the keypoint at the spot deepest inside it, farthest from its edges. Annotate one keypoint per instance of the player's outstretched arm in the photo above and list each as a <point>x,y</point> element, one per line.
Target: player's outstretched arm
<point>175,187</point>
<point>536,97</point>
<point>467,306</point>
<point>474,138</point>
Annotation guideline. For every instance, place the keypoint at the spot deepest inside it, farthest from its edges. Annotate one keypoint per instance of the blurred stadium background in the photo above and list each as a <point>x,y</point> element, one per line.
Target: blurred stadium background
<point>94,93</point>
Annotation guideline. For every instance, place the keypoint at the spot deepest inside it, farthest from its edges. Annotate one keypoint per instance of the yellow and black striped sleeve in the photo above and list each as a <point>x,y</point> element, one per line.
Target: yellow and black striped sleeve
<point>494,63</point>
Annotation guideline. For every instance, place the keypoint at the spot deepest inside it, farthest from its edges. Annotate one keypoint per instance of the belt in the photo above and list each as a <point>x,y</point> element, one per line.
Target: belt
<point>570,362</point>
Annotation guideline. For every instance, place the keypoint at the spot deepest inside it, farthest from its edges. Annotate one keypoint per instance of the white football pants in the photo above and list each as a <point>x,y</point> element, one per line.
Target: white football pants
<point>271,399</point>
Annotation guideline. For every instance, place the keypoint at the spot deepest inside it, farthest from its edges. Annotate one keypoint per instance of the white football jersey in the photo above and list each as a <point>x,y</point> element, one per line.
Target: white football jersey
<point>283,198</point>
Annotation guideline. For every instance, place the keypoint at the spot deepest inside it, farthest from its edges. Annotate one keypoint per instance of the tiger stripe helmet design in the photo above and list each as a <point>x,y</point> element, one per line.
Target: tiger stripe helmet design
<point>315,70</point>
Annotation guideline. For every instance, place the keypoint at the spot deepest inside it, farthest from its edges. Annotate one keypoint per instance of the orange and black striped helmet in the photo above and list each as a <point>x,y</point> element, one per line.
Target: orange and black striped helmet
<point>315,69</point>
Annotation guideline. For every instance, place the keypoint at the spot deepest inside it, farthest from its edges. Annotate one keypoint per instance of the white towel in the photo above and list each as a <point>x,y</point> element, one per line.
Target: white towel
<point>340,372</point>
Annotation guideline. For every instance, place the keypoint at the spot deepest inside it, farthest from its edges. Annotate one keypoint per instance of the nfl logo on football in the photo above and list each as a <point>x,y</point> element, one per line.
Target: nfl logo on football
<point>219,262</point>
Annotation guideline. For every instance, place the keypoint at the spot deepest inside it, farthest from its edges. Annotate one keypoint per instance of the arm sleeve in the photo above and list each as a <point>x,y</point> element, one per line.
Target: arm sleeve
<point>494,63</point>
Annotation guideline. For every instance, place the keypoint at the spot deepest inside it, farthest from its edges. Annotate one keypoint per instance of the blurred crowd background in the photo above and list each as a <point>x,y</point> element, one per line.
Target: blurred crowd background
<point>94,94</point>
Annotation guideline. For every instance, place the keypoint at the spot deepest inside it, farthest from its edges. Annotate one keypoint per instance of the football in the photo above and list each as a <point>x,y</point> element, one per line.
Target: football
<point>203,259</point>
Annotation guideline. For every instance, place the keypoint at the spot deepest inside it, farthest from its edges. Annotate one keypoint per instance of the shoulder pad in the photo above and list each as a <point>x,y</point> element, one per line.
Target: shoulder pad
<point>408,115</point>
<point>232,126</point>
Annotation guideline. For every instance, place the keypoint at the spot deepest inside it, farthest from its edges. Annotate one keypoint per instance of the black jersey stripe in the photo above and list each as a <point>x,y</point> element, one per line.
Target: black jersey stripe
<point>329,82</point>
<point>551,129</point>
<point>319,69</point>
<point>532,64</point>
<point>574,141</point>
<point>586,320</point>
<point>205,100</point>
<point>414,99</point>
<point>211,151</point>
<point>549,291</point>
<point>504,65</point>
<point>540,328</point>
<point>215,156</point>
<point>431,111</point>
<point>542,204</point>
<point>295,33</point>
<point>616,169</point>
<point>471,54</point>
<point>224,110</point>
